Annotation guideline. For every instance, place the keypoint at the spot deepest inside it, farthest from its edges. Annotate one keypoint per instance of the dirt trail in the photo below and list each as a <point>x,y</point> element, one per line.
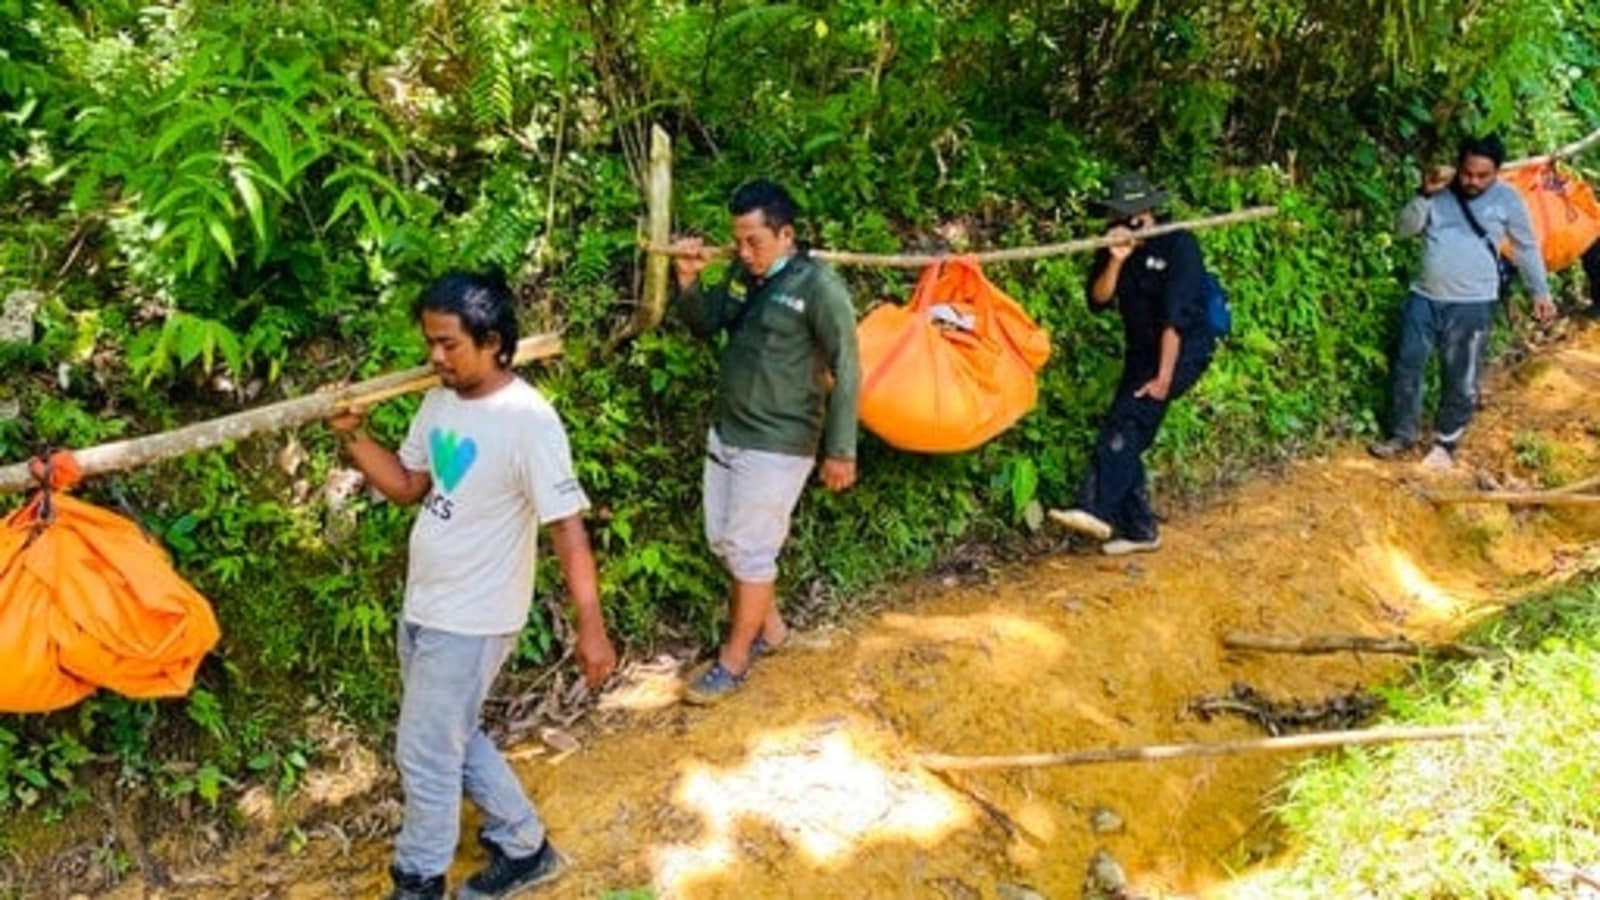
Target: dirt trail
<point>800,787</point>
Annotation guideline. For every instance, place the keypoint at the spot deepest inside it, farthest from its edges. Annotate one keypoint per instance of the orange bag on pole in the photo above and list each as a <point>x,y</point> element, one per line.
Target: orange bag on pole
<point>88,600</point>
<point>952,368</point>
<point>1563,209</point>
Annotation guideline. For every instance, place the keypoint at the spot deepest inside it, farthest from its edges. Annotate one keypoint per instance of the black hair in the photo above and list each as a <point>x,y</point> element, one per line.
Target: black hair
<point>1488,146</point>
<point>482,301</point>
<point>777,207</point>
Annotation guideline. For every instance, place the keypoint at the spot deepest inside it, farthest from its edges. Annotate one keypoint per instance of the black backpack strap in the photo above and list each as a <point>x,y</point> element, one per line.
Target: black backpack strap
<point>1478,229</point>
<point>1502,269</point>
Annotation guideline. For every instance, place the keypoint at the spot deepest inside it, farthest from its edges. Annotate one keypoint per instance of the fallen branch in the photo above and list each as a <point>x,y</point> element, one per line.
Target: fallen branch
<point>1014,254</point>
<point>1569,150</point>
<point>1338,712</point>
<point>1576,487</point>
<point>1516,498</point>
<point>1563,875</point>
<point>1010,826</point>
<point>134,452</point>
<point>943,762</point>
<point>1340,643</point>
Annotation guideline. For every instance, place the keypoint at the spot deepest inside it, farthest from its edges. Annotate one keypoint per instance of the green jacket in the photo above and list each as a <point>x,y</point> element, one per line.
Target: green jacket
<point>786,335</point>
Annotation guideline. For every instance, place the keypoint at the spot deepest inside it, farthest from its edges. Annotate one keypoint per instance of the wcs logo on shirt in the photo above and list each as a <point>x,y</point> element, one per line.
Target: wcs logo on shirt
<point>791,301</point>
<point>451,457</point>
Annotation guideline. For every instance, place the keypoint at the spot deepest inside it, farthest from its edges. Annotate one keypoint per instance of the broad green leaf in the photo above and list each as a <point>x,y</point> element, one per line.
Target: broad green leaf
<point>219,233</point>
<point>190,337</point>
<point>252,202</point>
<point>346,200</point>
<point>1024,482</point>
<point>177,131</point>
<point>228,343</point>
<point>208,783</point>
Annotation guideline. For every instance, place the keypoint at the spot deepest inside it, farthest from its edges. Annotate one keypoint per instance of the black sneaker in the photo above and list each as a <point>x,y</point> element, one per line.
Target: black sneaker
<point>507,877</point>
<point>415,887</point>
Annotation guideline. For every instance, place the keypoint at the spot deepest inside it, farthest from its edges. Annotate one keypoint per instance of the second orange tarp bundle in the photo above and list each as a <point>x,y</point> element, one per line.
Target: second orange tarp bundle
<point>88,600</point>
<point>1562,206</point>
<point>952,368</point>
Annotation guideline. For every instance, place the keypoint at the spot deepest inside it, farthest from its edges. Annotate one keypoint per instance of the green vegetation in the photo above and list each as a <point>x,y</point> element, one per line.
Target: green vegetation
<point>229,203</point>
<point>1476,818</point>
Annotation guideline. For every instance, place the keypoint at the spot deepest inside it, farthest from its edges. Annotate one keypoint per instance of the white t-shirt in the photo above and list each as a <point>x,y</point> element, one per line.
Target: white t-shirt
<point>501,467</point>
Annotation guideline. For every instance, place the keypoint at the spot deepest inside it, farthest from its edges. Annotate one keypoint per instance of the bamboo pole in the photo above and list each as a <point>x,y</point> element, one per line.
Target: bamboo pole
<point>658,268</point>
<point>1576,487</point>
<point>1339,643</point>
<point>946,763</point>
<point>1013,254</point>
<point>141,451</point>
<point>1569,150</point>
<point>1516,498</point>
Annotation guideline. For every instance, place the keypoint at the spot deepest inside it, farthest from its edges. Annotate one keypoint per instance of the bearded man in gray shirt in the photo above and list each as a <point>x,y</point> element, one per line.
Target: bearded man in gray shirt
<point>1464,214</point>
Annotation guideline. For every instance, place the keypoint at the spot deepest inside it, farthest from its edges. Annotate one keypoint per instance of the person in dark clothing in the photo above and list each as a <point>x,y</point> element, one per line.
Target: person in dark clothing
<point>1158,287</point>
<point>1591,272</point>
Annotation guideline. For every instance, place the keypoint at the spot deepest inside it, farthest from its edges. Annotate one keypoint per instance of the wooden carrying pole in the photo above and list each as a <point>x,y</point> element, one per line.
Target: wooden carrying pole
<point>155,448</point>
<point>1014,254</point>
<point>944,763</point>
<point>1572,149</point>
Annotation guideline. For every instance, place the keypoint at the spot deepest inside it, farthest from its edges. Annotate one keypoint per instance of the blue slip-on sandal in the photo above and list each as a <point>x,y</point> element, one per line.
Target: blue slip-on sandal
<point>714,685</point>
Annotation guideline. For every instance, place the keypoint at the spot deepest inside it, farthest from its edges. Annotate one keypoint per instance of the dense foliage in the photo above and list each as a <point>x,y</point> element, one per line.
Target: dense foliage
<point>228,203</point>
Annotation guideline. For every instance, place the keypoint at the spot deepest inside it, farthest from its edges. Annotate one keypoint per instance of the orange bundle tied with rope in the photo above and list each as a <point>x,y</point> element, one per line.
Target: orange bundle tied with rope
<point>952,368</point>
<point>89,600</point>
<point>1563,209</point>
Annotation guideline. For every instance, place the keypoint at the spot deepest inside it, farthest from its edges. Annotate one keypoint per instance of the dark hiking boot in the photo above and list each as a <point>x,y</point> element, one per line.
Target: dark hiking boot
<point>507,877</point>
<point>1393,448</point>
<point>415,887</point>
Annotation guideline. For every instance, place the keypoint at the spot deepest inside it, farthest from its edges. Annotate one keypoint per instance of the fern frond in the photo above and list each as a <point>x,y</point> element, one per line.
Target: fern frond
<point>485,46</point>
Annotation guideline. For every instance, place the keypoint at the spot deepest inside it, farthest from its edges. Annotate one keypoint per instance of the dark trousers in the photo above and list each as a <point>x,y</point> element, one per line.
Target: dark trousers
<point>1459,331</point>
<point>1116,490</point>
<point>1591,271</point>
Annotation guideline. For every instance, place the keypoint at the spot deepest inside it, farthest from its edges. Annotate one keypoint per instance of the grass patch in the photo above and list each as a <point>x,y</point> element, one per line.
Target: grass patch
<point>1464,819</point>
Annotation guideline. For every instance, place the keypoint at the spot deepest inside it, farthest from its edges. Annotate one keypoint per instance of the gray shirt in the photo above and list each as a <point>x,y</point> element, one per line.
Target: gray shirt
<point>1457,266</point>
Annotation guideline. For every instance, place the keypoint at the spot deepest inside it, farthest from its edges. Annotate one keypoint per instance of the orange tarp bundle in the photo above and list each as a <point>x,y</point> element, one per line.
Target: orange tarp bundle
<point>1562,206</point>
<point>952,368</point>
<point>88,600</point>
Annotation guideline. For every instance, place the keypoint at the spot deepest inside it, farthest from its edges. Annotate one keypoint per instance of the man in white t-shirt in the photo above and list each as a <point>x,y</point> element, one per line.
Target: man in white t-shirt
<point>489,461</point>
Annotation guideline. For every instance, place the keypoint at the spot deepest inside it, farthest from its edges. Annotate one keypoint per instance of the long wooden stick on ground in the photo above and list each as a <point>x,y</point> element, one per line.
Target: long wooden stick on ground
<point>1516,498</point>
<point>1577,487</point>
<point>155,448</point>
<point>1323,740</point>
<point>1340,643</point>
<point>1014,254</point>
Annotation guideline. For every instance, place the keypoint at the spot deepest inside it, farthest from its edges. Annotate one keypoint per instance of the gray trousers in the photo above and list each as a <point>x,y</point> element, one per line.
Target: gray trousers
<point>1460,331</point>
<point>441,751</point>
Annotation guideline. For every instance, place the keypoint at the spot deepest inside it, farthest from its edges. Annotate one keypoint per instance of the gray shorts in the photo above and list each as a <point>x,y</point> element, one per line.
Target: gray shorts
<point>749,498</point>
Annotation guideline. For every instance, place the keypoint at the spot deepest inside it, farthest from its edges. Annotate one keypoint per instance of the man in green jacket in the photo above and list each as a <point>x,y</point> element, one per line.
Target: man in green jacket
<point>788,388</point>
